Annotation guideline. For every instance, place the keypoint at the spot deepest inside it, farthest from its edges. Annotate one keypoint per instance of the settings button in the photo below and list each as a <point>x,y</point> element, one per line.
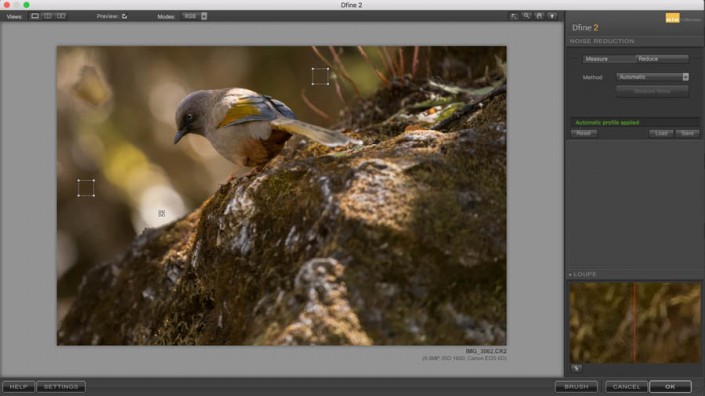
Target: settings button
<point>61,386</point>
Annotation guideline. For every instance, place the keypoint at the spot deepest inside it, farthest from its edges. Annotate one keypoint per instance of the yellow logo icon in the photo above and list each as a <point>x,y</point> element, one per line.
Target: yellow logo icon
<point>673,17</point>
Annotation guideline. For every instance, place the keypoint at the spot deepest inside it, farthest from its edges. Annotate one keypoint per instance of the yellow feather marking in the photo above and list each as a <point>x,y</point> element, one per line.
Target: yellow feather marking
<point>239,110</point>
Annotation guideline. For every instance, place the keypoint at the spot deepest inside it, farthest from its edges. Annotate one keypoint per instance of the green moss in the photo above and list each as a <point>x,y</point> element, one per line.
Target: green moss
<point>449,110</point>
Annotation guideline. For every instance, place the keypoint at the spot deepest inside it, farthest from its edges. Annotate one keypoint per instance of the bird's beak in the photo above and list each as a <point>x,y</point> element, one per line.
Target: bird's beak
<point>179,134</point>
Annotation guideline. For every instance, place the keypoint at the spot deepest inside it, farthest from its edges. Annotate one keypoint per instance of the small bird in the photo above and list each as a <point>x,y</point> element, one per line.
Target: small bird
<point>245,127</point>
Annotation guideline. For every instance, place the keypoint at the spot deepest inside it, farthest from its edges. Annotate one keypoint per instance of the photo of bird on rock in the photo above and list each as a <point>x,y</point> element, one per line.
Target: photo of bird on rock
<point>277,225</point>
<point>247,128</point>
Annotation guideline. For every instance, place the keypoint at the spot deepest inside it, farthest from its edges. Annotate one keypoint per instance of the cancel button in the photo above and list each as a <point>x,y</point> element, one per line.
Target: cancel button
<point>626,386</point>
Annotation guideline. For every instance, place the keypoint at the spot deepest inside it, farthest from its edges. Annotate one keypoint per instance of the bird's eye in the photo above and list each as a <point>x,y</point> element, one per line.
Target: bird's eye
<point>189,117</point>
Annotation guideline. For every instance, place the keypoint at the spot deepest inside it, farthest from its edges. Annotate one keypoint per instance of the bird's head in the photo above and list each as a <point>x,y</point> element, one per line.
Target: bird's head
<point>191,114</point>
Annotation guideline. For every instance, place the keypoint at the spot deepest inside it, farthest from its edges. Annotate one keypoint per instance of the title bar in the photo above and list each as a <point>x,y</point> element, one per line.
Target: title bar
<point>354,5</point>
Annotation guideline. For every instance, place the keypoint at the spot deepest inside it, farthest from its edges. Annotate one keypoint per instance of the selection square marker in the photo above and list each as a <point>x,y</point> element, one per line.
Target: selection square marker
<point>320,76</point>
<point>85,188</point>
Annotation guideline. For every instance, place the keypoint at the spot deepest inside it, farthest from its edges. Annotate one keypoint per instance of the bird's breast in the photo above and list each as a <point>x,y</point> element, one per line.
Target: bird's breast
<point>248,144</point>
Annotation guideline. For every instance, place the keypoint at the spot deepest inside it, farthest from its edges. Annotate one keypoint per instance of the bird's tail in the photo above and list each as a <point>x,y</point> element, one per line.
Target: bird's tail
<point>321,135</point>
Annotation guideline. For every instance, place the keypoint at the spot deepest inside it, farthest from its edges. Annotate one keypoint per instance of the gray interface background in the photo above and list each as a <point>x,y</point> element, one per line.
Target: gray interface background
<point>28,204</point>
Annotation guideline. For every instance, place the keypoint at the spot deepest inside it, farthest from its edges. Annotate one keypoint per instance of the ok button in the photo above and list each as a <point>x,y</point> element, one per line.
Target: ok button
<point>670,386</point>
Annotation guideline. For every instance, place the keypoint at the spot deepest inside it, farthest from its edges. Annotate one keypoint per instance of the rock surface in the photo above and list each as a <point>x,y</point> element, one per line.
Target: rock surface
<point>401,241</point>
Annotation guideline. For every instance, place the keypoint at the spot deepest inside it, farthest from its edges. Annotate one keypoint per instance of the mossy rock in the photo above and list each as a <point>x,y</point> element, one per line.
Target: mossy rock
<point>399,242</point>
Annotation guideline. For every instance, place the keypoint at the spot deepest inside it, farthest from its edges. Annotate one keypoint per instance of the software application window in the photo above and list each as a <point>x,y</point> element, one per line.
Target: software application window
<point>376,197</point>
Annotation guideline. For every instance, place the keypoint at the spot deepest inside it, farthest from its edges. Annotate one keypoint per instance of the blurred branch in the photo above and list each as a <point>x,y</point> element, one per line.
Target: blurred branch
<point>337,67</point>
<point>385,62</point>
<point>312,106</point>
<point>343,72</point>
<point>415,61</point>
<point>381,76</point>
<point>339,92</point>
<point>390,61</point>
<point>400,60</point>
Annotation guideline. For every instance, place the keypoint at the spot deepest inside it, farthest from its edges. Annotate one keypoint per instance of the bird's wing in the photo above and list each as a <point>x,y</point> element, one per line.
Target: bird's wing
<point>281,107</point>
<point>321,135</point>
<point>249,108</point>
<point>253,107</point>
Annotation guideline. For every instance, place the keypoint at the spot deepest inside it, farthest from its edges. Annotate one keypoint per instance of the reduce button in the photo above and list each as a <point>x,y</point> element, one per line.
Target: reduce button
<point>670,386</point>
<point>662,58</point>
